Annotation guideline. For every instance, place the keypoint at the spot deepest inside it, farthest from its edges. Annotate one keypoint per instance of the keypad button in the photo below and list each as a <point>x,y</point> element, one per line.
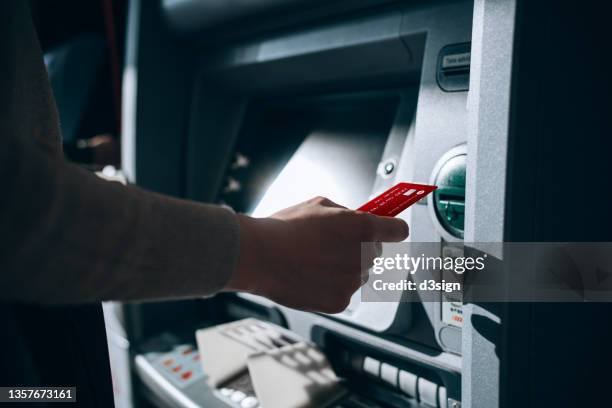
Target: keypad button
<point>388,374</point>
<point>408,383</point>
<point>249,402</point>
<point>428,392</point>
<point>371,366</point>
<point>238,396</point>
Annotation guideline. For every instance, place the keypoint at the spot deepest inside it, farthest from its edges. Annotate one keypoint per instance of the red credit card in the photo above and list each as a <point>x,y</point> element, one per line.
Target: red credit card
<point>397,199</point>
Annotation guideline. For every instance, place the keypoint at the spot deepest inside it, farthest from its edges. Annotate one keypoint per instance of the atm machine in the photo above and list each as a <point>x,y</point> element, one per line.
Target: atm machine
<point>260,105</point>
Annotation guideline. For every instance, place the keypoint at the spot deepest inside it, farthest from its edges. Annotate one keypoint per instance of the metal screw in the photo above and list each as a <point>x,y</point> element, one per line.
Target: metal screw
<point>389,167</point>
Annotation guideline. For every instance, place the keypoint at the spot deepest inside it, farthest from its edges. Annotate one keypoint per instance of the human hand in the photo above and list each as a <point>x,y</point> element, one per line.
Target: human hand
<point>309,256</point>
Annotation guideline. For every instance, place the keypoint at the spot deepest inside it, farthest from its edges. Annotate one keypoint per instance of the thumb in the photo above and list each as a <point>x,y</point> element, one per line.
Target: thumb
<point>388,229</point>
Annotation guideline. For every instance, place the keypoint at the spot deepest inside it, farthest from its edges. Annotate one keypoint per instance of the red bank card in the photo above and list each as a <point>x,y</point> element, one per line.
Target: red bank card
<point>397,199</point>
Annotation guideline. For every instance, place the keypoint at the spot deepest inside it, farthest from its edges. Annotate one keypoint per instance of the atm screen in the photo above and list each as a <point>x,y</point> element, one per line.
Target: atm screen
<point>293,151</point>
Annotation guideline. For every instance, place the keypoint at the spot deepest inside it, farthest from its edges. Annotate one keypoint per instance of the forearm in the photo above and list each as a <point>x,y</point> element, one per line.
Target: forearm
<point>68,236</point>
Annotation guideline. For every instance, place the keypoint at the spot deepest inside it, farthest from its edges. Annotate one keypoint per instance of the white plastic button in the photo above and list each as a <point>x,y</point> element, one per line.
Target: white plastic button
<point>388,374</point>
<point>408,383</point>
<point>302,358</point>
<point>238,396</point>
<point>315,355</point>
<point>249,402</point>
<point>371,366</point>
<point>442,398</point>
<point>428,392</point>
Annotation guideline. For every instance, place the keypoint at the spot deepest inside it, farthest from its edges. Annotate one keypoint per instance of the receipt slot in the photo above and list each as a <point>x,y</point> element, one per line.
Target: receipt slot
<point>448,202</point>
